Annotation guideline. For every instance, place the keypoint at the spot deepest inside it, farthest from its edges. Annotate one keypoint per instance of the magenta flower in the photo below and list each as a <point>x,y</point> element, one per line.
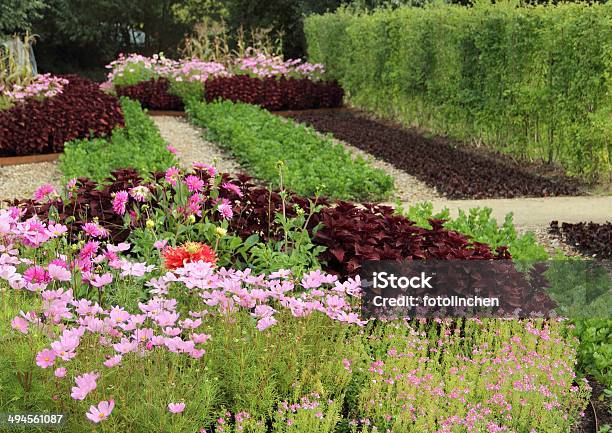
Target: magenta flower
<point>172,175</point>
<point>172,149</point>
<point>36,274</point>
<point>45,358</point>
<point>45,191</point>
<point>102,412</point>
<point>176,407</point>
<point>95,230</point>
<point>225,209</point>
<point>233,188</point>
<point>194,183</point>
<point>60,372</point>
<point>120,201</point>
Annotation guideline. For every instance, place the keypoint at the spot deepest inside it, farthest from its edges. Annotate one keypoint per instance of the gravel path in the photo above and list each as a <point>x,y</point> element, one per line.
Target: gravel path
<point>187,139</point>
<point>407,188</point>
<point>20,181</point>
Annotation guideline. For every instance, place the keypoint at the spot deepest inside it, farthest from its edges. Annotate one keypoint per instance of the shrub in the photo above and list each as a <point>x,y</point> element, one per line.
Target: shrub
<point>275,93</point>
<point>153,94</point>
<point>312,163</point>
<point>590,238</point>
<point>81,111</point>
<point>138,145</point>
<point>480,227</point>
<point>532,82</point>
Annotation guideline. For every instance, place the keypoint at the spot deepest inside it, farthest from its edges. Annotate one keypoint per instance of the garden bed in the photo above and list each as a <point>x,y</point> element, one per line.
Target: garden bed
<point>81,110</point>
<point>455,172</point>
<point>590,238</point>
<point>281,152</point>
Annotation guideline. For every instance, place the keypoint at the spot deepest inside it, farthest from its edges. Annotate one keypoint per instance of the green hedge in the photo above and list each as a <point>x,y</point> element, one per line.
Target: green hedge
<point>534,82</point>
<point>312,163</point>
<point>139,145</point>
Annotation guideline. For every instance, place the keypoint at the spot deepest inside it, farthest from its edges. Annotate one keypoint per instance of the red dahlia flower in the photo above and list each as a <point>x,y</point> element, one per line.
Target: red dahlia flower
<point>176,257</point>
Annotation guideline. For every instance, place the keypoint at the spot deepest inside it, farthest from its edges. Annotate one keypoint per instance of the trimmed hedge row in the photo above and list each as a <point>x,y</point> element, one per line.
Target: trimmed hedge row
<point>533,82</point>
<point>312,163</point>
<point>271,93</point>
<point>36,127</point>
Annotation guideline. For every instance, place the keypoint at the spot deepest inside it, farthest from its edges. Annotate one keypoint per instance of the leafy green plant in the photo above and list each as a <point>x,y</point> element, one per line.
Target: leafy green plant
<point>138,145</point>
<point>312,163</point>
<point>595,350</point>
<point>478,224</point>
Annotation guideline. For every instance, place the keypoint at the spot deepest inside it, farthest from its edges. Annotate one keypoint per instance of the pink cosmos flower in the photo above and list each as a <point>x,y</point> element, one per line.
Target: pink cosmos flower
<point>120,202</point>
<point>160,245</point>
<point>111,362</point>
<point>176,407</point>
<point>20,324</point>
<point>59,273</point>
<point>102,412</point>
<point>233,188</point>
<point>60,372</point>
<point>86,383</point>
<point>265,323</point>
<point>45,191</point>
<point>36,274</point>
<point>172,175</point>
<point>45,358</point>
<point>172,149</point>
<point>101,280</point>
<point>57,230</point>
<point>194,183</point>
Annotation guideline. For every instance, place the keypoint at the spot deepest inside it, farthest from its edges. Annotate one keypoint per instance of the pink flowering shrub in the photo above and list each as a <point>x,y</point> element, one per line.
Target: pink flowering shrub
<point>39,87</point>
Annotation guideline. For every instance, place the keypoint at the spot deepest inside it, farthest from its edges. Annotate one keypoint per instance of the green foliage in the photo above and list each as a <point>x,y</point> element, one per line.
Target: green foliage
<point>18,15</point>
<point>595,350</point>
<point>311,163</point>
<point>478,224</point>
<point>138,145</point>
<point>533,82</point>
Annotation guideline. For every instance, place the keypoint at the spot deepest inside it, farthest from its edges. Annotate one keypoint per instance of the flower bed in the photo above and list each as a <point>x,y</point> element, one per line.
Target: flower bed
<point>455,172</point>
<point>138,145</point>
<point>275,94</point>
<point>312,164</point>
<point>37,126</point>
<point>153,94</point>
<point>171,331</point>
<point>269,82</point>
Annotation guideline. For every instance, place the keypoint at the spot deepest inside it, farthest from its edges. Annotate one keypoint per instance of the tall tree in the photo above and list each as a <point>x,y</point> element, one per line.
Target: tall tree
<point>18,15</point>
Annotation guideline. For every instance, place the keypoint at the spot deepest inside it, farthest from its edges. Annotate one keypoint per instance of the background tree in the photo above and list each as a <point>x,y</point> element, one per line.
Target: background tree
<point>16,16</point>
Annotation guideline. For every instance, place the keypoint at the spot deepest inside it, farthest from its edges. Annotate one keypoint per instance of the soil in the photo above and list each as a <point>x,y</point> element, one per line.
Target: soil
<point>597,414</point>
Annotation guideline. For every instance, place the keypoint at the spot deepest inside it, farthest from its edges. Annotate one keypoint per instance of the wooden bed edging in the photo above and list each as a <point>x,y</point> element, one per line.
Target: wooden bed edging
<point>28,159</point>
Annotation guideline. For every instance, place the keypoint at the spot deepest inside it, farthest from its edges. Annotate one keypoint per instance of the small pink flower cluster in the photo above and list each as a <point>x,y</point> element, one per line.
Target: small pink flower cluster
<point>42,85</point>
<point>190,70</point>
<point>261,65</point>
